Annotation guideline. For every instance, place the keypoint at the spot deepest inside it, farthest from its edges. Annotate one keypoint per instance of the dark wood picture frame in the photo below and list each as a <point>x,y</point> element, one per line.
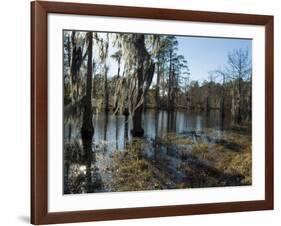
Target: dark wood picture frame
<point>39,112</point>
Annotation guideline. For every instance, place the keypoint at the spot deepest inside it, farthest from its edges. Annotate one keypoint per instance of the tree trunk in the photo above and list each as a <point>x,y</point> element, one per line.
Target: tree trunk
<point>169,83</point>
<point>117,131</point>
<point>171,121</point>
<point>87,129</point>
<point>68,51</point>
<point>239,112</point>
<point>222,107</point>
<point>118,76</point>
<point>76,63</point>
<point>207,104</point>
<point>137,130</point>
<point>235,102</point>
<point>144,72</point>
<point>249,103</point>
<point>157,99</point>
<point>93,83</point>
<point>222,114</point>
<point>106,104</point>
<point>105,130</point>
<point>118,70</point>
<point>77,87</point>
<point>163,84</point>
<point>126,130</point>
<point>172,91</point>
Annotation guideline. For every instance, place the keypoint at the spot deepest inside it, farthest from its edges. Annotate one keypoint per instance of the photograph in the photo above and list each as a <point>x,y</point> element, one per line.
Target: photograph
<point>148,112</point>
<point>155,111</point>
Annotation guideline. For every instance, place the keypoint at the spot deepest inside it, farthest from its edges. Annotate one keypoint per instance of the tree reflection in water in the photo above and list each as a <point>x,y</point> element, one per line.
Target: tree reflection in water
<point>179,150</point>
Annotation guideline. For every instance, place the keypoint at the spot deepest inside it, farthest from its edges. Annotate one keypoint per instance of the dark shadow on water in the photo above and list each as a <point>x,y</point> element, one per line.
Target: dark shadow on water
<point>229,145</point>
<point>243,130</point>
<point>199,175</point>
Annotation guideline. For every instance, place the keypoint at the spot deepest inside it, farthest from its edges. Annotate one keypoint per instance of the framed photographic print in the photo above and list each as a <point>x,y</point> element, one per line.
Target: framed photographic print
<point>145,112</point>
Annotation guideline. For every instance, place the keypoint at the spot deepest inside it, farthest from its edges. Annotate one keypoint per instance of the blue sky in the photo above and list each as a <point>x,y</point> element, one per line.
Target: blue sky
<point>207,54</point>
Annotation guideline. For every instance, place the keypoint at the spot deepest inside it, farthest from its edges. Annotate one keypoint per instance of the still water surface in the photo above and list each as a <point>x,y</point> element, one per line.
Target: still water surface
<point>112,133</point>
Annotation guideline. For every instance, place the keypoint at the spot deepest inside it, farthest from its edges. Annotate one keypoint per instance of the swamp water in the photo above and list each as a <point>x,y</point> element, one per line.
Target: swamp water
<point>181,149</point>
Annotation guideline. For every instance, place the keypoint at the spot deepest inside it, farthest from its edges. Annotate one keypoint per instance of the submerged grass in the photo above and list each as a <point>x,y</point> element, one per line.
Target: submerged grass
<point>207,160</point>
<point>173,139</point>
<point>202,149</point>
<point>224,162</point>
<point>231,155</point>
<point>131,172</point>
<point>237,163</point>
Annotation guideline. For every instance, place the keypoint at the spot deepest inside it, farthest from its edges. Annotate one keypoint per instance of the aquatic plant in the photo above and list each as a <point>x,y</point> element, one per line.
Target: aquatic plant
<point>132,172</point>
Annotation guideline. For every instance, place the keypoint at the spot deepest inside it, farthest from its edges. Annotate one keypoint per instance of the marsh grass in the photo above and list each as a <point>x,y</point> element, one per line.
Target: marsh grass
<point>131,172</point>
<point>174,139</point>
<point>231,154</point>
<point>219,160</point>
<point>201,149</point>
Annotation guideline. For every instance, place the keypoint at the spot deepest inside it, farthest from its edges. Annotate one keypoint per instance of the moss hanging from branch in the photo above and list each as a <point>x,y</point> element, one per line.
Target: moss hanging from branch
<point>137,54</point>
